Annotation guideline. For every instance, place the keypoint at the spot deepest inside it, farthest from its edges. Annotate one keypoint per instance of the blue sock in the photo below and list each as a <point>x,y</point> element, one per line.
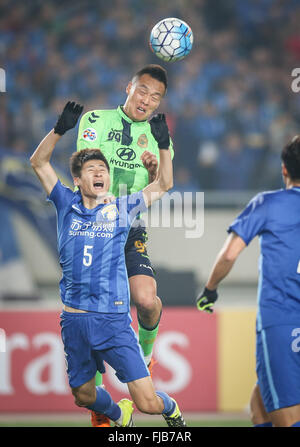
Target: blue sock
<point>105,405</point>
<point>168,403</point>
<point>265,424</point>
<point>297,424</point>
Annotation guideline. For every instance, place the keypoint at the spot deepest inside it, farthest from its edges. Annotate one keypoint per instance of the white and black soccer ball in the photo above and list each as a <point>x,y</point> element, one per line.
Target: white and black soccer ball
<point>171,39</point>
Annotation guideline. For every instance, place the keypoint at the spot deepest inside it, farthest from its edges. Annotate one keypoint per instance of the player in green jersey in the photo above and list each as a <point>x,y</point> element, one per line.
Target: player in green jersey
<point>123,134</point>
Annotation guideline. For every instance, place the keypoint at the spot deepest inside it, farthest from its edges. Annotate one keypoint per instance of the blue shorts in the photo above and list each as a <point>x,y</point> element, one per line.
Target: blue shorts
<point>278,366</point>
<point>136,256</point>
<point>92,338</point>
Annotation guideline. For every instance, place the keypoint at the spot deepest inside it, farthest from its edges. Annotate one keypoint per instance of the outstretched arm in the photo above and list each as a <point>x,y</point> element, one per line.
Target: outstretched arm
<point>163,181</point>
<point>40,159</point>
<point>225,260</point>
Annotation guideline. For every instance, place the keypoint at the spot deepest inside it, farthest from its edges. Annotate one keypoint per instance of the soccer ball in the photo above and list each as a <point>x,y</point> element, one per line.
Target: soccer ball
<point>171,39</point>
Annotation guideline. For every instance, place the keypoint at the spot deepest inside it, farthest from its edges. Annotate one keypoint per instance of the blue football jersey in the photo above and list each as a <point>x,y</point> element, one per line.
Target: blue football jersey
<point>91,250</point>
<point>275,218</point>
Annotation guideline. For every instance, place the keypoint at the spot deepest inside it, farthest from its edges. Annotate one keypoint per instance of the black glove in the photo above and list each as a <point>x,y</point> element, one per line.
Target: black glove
<point>69,117</point>
<point>160,131</point>
<point>206,300</point>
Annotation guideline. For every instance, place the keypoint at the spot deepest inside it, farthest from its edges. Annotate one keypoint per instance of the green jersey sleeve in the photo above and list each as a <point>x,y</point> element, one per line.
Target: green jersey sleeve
<point>88,133</point>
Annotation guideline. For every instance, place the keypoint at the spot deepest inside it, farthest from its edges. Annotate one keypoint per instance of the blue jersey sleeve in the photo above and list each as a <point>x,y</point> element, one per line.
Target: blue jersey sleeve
<point>60,196</point>
<point>251,221</point>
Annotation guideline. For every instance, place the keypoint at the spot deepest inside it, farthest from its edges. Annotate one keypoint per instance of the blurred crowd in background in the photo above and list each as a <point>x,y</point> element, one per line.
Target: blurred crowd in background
<point>230,105</point>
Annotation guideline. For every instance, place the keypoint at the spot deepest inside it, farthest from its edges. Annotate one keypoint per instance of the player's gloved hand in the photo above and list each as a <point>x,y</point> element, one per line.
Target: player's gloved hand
<point>160,131</point>
<point>206,300</point>
<point>68,118</point>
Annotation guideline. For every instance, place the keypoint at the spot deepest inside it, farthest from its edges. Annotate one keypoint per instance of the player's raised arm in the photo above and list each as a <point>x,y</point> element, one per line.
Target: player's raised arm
<point>163,181</point>
<point>40,159</point>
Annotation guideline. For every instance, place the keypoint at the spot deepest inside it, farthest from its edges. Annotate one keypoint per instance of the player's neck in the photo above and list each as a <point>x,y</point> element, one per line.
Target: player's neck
<point>92,202</point>
<point>292,183</point>
<point>126,112</point>
<point>89,203</point>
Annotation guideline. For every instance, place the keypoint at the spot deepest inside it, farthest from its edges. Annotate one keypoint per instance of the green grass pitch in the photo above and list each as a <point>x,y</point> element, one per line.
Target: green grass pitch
<point>137,423</point>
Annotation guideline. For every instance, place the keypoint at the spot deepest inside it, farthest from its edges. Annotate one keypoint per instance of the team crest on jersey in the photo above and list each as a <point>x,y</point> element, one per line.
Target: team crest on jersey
<point>110,212</point>
<point>89,134</point>
<point>143,141</point>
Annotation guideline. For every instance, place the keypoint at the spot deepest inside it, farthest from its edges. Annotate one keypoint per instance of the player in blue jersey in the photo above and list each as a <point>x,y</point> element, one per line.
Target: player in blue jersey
<point>275,218</point>
<point>92,233</point>
<point>123,134</point>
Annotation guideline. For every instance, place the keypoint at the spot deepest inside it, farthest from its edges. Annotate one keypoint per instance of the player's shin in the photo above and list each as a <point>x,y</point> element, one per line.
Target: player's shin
<point>105,405</point>
<point>147,337</point>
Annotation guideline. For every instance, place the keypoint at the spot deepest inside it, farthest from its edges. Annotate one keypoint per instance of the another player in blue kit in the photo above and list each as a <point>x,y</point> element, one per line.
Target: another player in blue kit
<point>275,218</point>
<point>92,232</point>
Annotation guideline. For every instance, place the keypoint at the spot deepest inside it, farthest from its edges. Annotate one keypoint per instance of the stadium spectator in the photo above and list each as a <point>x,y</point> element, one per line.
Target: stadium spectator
<point>238,70</point>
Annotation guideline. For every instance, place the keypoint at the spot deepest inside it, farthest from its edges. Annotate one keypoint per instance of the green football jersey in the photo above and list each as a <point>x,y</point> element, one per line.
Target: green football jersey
<point>122,142</point>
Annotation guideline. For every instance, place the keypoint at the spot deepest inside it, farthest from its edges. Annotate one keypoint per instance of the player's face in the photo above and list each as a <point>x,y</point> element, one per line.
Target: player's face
<point>94,180</point>
<point>144,95</point>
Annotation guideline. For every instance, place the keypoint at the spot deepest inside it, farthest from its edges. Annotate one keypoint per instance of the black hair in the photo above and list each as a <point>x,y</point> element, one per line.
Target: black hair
<point>78,159</point>
<point>155,71</point>
<point>290,157</point>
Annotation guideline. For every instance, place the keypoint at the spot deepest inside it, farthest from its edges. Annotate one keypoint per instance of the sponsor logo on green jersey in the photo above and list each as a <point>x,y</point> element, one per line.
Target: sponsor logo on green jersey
<point>126,154</point>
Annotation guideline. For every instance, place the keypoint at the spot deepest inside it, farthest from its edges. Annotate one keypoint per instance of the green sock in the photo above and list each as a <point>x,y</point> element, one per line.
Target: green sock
<point>146,339</point>
<point>98,379</point>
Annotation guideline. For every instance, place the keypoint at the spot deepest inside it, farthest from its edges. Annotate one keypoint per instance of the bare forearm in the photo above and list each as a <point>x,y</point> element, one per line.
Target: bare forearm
<point>225,260</point>
<point>40,161</point>
<point>165,174</point>
<point>43,152</point>
<point>163,181</point>
<point>220,270</point>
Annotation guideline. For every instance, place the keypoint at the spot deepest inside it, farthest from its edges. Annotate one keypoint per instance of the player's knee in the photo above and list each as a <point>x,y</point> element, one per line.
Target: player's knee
<point>146,300</point>
<point>83,398</point>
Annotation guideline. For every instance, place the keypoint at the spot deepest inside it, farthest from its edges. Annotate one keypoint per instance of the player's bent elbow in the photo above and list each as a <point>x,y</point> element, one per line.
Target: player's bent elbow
<point>170,185</point>
<point>166,186</point>
<point>35,163</point>
<point>229,256</point>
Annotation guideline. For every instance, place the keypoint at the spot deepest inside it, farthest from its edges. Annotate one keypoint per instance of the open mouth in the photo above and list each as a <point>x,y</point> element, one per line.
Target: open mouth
<point>141,109</point>
<point>98,185</point>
